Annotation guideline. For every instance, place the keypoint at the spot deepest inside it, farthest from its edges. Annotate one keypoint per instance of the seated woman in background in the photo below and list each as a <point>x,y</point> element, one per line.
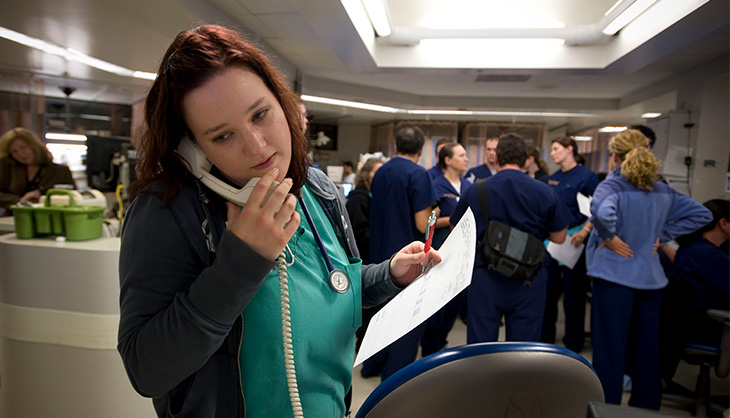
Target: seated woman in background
<point>704,267</point>
<point>27,169</point>
<point>699,280</point>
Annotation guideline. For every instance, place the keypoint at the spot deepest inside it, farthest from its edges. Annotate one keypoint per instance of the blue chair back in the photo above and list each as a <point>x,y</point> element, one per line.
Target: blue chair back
<point>503,379</point>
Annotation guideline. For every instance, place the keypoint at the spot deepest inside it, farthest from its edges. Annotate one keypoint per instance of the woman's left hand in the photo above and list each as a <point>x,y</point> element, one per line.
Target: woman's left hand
<point>618,246</point>
<point>407,263</point>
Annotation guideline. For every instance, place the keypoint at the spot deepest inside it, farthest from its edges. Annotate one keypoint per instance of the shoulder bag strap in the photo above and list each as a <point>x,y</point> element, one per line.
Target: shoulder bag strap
<point>482,192</point>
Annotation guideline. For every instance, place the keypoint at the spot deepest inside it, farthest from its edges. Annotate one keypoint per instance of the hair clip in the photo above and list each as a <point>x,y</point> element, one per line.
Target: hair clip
<point>167,63</point>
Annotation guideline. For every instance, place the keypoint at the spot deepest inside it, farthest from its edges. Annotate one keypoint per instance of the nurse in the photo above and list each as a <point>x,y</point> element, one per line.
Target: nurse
<point>529,205</point>
<point>572,178</point>
<point>208,287</point>
<point>449,187</point>
<point>628,278</point>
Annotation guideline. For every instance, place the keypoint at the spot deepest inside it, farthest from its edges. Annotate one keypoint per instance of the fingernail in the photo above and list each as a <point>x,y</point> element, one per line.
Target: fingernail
<point>275,171</point>
<point>288,181</point>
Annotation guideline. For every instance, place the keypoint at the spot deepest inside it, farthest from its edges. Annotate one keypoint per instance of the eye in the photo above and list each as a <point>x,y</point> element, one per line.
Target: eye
<point>222,137</point>
<point>260,114</point>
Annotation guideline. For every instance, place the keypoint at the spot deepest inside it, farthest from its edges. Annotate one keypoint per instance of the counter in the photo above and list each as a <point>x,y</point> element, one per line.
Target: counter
<point>59,313</point>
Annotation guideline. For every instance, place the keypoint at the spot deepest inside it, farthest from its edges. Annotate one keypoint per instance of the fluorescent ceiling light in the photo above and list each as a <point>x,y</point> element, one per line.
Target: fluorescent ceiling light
<point>378,16</point>
<point>494,113</point>
<point>65,137</point>
<point>632,12</point>
<point>615,5</point>
<point>72,55</point>
<point>583,138</point>
<point>612,129</point>
<point>650,115</point>
<point>347,103</point>
<point>387,109</point>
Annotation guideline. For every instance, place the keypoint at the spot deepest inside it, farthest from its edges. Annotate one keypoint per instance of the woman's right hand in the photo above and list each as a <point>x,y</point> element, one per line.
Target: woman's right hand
<point>33,196</point>
<point>267,227</point>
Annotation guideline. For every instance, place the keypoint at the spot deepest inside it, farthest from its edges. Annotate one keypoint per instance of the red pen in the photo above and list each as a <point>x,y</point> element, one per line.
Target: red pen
<point>429,231</point>
<point>429,236</point>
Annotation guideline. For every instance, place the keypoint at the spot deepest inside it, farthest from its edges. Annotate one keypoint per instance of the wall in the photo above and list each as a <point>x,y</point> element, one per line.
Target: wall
<point>713,142</point>
<point>352,140</point>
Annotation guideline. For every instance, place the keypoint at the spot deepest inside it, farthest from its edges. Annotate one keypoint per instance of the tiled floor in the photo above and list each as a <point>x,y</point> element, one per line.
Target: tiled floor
<point>686,374</point>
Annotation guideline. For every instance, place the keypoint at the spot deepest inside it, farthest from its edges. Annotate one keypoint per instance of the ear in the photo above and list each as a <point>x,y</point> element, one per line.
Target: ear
<point>724,224</point>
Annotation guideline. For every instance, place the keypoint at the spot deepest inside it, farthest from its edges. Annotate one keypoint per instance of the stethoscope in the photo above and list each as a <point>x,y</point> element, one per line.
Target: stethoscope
<point>338,279</point>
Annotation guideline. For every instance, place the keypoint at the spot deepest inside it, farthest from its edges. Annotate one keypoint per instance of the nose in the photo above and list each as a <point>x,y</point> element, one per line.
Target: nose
<point>253,142</point>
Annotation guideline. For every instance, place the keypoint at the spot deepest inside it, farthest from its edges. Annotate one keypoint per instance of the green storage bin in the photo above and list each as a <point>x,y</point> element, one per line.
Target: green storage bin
<point>77,223</point>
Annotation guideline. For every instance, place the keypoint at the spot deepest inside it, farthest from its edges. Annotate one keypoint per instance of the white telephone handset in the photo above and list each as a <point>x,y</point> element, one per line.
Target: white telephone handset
<point>200,167</point>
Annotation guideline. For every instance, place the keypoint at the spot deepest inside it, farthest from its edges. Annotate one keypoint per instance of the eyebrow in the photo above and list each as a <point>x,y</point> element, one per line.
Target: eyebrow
<point>217,127</point>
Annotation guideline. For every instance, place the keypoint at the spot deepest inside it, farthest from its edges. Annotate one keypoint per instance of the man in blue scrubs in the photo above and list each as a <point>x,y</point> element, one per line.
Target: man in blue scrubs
<point>489,168</point>
<point>517,200</point>
<point>403,197</point>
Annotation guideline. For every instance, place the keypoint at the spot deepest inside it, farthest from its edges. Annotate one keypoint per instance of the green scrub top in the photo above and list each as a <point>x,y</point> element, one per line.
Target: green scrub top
<point>323,328</point>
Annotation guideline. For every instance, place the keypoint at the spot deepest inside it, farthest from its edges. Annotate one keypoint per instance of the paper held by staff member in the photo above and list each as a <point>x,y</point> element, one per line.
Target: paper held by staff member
<point>427,294</point>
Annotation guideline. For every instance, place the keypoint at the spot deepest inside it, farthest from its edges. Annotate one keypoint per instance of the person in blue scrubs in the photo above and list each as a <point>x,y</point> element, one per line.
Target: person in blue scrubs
<point>403,198</point>
<point>622,260</point>
<point>449,187</point>
<point>489,168</point>
<point>700,280</point>
<point>572,178</point>
<point>529,205</point>
<point>437,171</point>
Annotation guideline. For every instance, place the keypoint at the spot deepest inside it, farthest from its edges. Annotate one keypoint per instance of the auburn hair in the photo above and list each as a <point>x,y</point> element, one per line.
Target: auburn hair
<point>194,57</point>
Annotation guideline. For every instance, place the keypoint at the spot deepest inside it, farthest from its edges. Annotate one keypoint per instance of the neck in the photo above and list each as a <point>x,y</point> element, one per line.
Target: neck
<point>451,175</point>
<point>716,236</point>
<point>412,157</point>
<point>568,165</point>
<point>510,167</point>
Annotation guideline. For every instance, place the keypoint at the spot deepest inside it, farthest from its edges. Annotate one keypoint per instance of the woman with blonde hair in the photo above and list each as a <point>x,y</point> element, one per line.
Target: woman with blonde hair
<point>27,169</point>
<point>632,213</point>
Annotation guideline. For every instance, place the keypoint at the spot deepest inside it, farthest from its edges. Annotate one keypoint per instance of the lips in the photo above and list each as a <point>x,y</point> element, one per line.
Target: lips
<point>266,163</point>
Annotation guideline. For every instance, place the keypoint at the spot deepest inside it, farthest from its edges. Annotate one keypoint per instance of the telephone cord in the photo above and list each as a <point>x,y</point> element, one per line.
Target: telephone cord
<point>286,331</point>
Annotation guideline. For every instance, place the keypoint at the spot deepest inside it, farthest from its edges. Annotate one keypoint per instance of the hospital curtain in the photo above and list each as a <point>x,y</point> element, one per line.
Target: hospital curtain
<point>382,138</point>
<point>474,136</point>
<point>23,109</point>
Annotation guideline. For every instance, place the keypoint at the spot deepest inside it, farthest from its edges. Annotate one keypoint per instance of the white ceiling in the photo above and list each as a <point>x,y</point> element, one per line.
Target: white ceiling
<point>616,79</point>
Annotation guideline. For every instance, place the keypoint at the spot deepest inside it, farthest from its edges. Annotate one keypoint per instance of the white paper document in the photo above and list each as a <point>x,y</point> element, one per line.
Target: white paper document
<point>584,204</point>
<point>566,253</point>
<point>427,294</point>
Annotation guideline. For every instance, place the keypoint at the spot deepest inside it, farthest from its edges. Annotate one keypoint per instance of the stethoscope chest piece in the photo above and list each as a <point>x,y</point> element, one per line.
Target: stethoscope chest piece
<point>339,281</point>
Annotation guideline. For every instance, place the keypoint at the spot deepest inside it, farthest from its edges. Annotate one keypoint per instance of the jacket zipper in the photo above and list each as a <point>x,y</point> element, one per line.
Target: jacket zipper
<point>240,376</point>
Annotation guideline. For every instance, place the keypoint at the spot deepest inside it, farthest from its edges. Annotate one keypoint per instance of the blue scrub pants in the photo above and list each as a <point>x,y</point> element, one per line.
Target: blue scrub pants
<point>492,296</point>
<point>574,284</point>
<point>625,327</point>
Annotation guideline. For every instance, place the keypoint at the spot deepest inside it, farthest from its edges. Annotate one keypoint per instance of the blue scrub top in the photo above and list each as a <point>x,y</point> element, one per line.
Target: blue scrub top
<point>400,189</point>
<point>448,198</point>
<point>569,183</point>
<point>435,172</point>
<point>517,200</point>
<point>477,173</point>
<point>704,269</point>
